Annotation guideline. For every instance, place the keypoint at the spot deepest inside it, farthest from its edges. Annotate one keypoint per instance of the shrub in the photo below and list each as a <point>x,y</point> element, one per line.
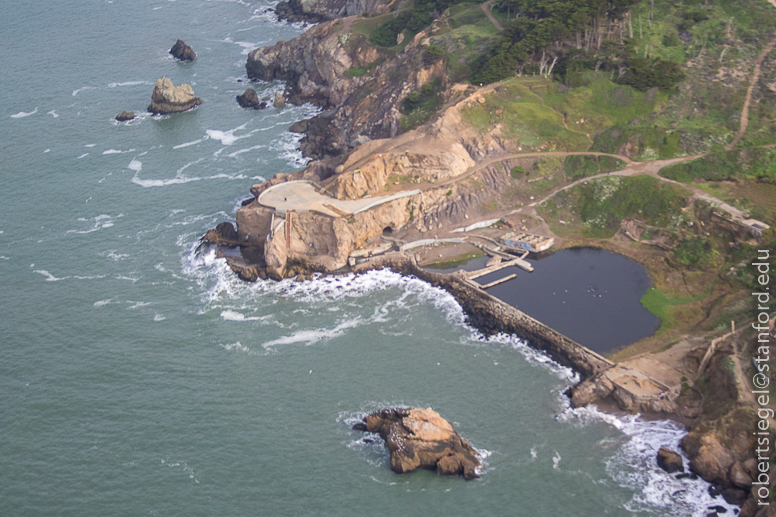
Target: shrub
<point>517,172</point>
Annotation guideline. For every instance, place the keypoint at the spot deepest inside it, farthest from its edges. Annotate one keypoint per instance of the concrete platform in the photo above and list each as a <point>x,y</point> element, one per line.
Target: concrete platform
<point>302,196</point>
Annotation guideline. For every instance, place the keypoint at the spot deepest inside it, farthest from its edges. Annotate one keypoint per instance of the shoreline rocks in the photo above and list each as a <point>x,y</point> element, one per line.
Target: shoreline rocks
<point>317,11</point>
<point>182,51</point>
<point>168,98</point>
<point>420,438</point>
<point>125,115</point>
<point>669,460</point>
<point>250,99</point>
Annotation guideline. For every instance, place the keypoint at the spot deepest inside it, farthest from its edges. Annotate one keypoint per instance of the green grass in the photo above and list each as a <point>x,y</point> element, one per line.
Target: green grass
<point>601,104</point>
<point>757,163</point>
<point>665,308</point>
<point>524,117</point>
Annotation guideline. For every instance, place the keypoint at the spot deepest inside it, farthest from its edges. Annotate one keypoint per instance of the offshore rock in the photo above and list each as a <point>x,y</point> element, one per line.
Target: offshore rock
<point>182,51</point>
<point>280,101</point>
<point>250,99</point>
<point>168,98</point>
<point>420,438</point>
<point>125,115</point>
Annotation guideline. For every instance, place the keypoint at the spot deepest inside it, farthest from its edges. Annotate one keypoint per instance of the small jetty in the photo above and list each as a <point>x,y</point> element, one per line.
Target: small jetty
<point>492,269</point>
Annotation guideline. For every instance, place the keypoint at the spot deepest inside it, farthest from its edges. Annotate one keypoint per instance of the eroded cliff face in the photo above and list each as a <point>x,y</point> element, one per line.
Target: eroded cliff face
<point>357,108</point>
<point>316,11</point>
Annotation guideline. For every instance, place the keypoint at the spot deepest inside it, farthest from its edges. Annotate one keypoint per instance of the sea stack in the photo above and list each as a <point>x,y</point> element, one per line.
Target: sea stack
<point>280,101</point>
<point>125,115</point>
<point>168,98</point>
<point>250,99</point>
<point>420,438</point>
<point>182,51</point>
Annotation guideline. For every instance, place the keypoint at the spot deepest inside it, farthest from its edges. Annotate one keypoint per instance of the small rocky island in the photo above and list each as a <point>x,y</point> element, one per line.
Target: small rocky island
<point>168,98</point>
<point>420,438</point>
<point>182,51</point>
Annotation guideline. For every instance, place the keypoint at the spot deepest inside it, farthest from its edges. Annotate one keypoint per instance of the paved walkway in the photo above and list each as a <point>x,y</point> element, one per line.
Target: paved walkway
<point>302,196</point>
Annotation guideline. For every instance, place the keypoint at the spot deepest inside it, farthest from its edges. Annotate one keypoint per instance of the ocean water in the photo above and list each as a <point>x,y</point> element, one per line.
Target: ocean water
<point>139,378</point>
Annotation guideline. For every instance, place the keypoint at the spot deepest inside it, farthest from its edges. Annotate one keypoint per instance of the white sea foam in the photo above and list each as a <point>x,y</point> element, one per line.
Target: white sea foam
<point>241,151</point>
<point>312,336</point>
<point>83,88</point>
<point>226,137</point>
<point>236,346</point>
<point>52,278</point>
<point>114,255</point>
<point>135,165</point>
<point>83,156</point>
<point>116,151</point>
<point>230,315</point>
<point>287,147</point>
<point>100,222</point>
<point>128,83</point>
<point>53,114</point>
<point>159,317</point>
<point>102,303</point>
<point>189,144</point>
<point>23,114</point>
<point>137,305</point>
<point>90,145</point>
<point>49,276</point>
<point>634,465</point>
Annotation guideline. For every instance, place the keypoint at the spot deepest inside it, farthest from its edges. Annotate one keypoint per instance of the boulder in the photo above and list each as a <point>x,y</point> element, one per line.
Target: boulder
<point>280,101</point>
<point>420,438</point>
<point>225,234</point>
<point>669,460</point>
<point>250,99</point>
<point>182,51</point>
<point>168,98</point>
<point>125,115</point>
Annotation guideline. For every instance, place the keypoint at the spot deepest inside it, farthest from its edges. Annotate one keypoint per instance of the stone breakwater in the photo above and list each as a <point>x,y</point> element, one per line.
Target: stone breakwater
<point>491,316</point>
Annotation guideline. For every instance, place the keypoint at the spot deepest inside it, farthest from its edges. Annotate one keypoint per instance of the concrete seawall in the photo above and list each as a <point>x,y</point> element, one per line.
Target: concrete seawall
<point>491,316</point>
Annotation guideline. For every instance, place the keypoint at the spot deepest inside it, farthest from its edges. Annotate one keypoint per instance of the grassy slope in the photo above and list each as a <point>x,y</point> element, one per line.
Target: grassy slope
<point>700,116</point>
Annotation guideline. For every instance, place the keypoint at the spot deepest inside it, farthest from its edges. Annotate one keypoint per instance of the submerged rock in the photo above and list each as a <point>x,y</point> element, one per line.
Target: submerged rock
<point>168,98</point>
<point>250,99</point>
<point>125,115</point>
<point>669,460</point>
<point>182,51</point>
<point>420,438</point>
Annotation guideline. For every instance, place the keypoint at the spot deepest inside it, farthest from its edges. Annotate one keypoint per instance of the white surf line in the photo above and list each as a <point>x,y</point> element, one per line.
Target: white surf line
<point>23,114</point>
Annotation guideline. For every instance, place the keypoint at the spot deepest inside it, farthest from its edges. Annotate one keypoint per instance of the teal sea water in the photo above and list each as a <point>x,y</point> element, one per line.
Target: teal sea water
<point>138,378</point>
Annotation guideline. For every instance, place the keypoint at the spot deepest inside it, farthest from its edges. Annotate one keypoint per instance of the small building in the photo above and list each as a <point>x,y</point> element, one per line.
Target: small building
<point>528,241</point>
<point>756,227</point>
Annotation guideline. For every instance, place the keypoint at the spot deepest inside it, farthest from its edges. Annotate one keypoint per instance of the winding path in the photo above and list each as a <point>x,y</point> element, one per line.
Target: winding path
<point>752,84</point>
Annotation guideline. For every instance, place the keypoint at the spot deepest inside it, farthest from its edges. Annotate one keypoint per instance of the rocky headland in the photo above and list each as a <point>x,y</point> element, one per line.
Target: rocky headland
<point>420,438</point>
<point>168,98</point>
<point>317,11</point>
<point>377,181</point>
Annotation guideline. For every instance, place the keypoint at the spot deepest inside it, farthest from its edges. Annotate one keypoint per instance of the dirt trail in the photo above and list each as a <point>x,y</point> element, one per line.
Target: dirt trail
<point>752,84</point>
<point>486,9</point>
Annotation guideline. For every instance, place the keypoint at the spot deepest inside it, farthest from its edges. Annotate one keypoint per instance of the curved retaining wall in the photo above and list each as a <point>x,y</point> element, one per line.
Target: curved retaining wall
<point>491,316</point>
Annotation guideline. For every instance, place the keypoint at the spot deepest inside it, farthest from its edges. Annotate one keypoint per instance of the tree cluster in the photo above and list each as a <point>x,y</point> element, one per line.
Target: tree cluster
<point>570,36</point>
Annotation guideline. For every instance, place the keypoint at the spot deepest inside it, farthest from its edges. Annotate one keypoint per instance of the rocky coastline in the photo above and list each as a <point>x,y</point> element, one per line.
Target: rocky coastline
<point>358,146</point>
